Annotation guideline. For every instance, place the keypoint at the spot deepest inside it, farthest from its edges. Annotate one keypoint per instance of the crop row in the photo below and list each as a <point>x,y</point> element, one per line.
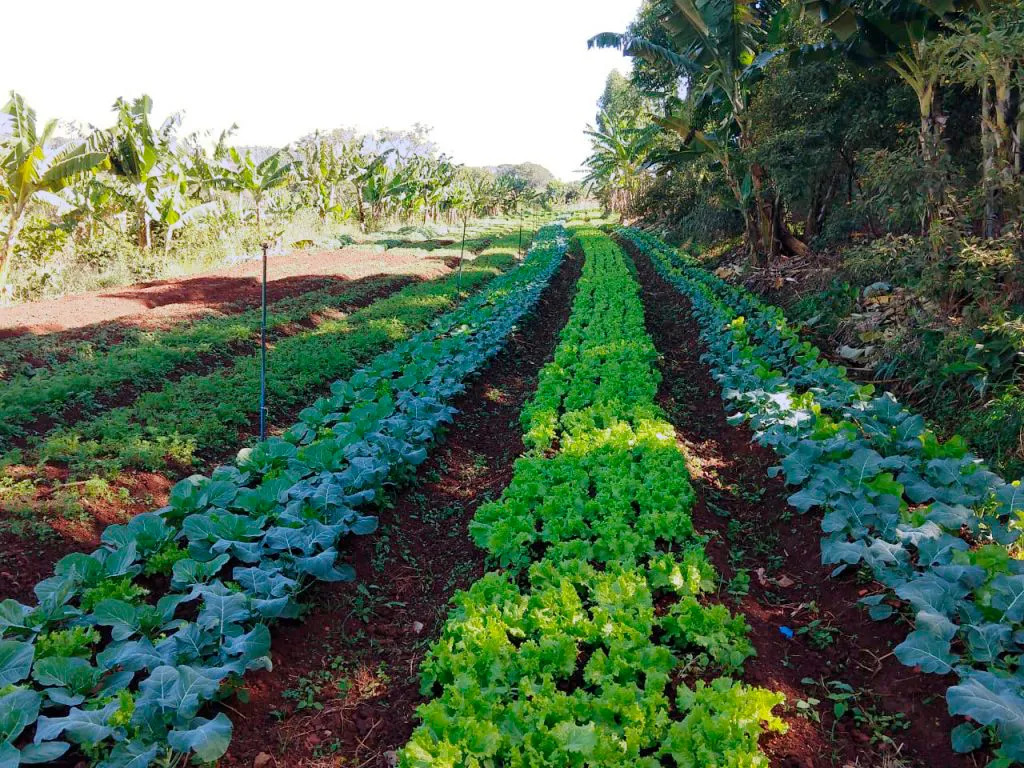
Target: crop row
<point>592,646</point>
<point>928,518</point>
<point>147,357</point>
<point>128,645</point>
<point>31,358</point>
<point>202,414</point>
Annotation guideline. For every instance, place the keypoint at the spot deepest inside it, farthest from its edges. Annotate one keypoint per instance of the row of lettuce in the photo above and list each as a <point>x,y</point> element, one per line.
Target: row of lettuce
<point>929,519</point>
<point>591,645</point>
<point>128,646</point>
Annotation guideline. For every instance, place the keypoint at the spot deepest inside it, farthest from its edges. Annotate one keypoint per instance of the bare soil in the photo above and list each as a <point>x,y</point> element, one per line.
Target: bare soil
<point>160,303</point>
<point>61,516</point>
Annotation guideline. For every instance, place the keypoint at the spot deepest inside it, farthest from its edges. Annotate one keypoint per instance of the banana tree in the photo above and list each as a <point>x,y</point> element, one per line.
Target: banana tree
<point>900,34</point>
<point>513,191</point>
<point>358,169</point>
<point>618,161</point>
<point>202,169</point>
<point>717,146</point>
<point>721,48</point>
<point>986,51</point>
<point>32,171</point>
<point>173,207</point>
<point>483,192</point>
<point>141,155</point>
<point>897,33</point>
<point>319,172</point>
<point>376,184</point>
<point>245,175</point>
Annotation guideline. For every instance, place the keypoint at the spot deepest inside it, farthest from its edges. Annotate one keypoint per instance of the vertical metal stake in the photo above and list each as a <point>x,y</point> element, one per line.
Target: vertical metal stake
<point>461,254</point>
<point>263,350</point>
<point>520,238</point>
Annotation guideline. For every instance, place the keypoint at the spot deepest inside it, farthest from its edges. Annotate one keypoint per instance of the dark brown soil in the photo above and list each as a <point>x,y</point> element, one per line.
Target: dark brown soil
<point>345,680</point>
<point>753,528</point>
<point>61,516</point>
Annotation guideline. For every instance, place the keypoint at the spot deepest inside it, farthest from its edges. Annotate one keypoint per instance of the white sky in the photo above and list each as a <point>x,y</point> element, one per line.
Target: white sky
<point>500,82</point>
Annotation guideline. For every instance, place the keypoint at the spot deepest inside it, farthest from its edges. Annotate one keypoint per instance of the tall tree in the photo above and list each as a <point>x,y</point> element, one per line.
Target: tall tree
<point>721,48</point>
<point>32,170</point>
<point>140,155</point>
<point>244,175</point>
<point>618,160</point>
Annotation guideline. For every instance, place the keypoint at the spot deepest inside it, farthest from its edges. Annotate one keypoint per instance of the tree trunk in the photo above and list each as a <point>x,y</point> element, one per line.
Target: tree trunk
<point>764,218</point>
<point>7,249</point>
<point>143,233</point>
<point>928,135</point>
<point>361,213</point>
<point>988,162</point>
<point>790,242</point>
<point>930,139</point>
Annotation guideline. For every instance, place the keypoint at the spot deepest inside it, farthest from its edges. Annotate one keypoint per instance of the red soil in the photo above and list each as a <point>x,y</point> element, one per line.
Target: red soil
<point>163,302</point>
<point>58,518</point>
<point>741,508</point>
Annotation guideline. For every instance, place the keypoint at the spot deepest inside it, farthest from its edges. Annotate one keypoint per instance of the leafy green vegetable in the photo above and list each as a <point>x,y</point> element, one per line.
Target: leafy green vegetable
<point>562,659</point>
<point>932,522</point>
<point>125,674</point>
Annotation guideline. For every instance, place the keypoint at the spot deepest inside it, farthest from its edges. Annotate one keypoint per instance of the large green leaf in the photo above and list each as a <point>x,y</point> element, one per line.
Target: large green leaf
<point>18,710</point>
<point>72,673</point>
<point>35,754</point>
<point>15,661</point>
<point>85,726</point>
<point>131,754</point>
<point>208,739</point>
<point>987,699</point>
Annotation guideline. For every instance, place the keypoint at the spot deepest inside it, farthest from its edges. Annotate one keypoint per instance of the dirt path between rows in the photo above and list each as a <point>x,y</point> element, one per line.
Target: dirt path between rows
<point>161,303</point>
<point>752,528</point>
<point>345,681</point>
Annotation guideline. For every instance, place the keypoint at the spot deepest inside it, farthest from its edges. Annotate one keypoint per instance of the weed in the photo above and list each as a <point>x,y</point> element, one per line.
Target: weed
<point>819,634</point>
<point>739,584</point>
<point>861,707</point>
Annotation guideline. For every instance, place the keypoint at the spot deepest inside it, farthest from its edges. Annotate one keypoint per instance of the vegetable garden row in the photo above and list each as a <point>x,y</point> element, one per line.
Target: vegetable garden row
<point>929,520</point>
<point>128,645</point>
<point>145,360</point>
<point>90,462</point>
<point>598,638</point>
<point>591,646</point>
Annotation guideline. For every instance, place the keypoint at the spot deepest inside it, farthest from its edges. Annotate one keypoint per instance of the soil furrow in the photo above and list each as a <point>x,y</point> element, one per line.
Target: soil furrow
<point>345,682</point>
<point>362,293</point>
<point>48,513</point>
<point>754,533</point>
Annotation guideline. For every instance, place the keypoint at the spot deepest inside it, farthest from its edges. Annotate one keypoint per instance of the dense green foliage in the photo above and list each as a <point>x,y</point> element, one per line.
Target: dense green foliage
<point>202,414</point>
<point>231,553</point>
<point>881,144</point>
<point>92,209</point>
<point>818,128</point>
<point>562,660</point>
